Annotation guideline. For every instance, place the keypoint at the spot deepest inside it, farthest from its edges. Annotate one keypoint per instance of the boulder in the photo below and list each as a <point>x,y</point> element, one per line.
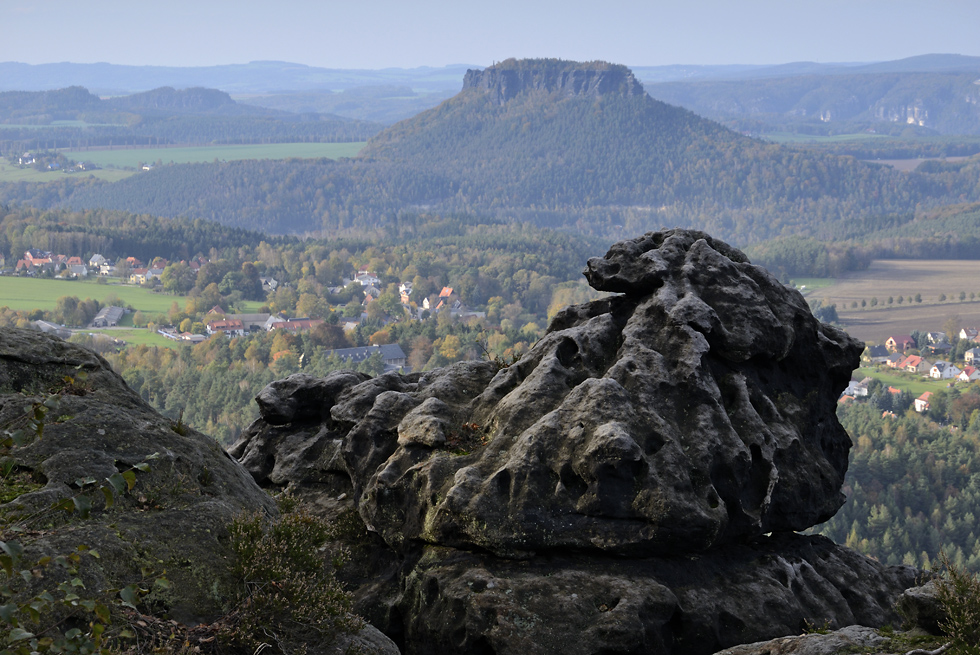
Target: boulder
<point>921,608</point>
<point>633,482</point>
<point>175,520</point>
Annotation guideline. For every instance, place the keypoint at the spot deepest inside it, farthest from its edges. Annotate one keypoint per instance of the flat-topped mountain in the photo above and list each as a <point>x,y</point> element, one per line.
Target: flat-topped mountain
<point>510,78</point>
<point>558,144</point>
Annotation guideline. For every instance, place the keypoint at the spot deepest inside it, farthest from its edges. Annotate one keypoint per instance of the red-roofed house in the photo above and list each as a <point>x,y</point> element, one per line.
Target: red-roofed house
<point>969,374</point>
<point>230,327</point>
<point>899,343</point>
<point>922,402</point>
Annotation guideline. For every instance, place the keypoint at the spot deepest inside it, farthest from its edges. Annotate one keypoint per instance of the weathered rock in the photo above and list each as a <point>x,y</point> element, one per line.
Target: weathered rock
<point>696,409</point>
<point>611,492</point>
<point>467,602</point>
<point>506,80</point>
<point>921,608</point>
<point>177,517</point>
<point>851,639</point>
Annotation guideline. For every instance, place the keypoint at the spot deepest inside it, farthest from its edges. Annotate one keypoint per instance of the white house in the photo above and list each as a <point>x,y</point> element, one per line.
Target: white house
<point>943,371</point>
<point>922,402</point>
<point>856,389</point>
<point>969,374</point>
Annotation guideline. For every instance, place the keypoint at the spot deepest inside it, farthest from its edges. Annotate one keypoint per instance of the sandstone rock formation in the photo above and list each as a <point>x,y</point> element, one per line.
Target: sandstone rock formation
<point>507,79</point>
<point>177,518</point>
<point>613,490</point>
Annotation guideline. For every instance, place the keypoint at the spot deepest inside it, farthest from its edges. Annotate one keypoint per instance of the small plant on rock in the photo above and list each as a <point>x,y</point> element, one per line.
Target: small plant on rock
<point>959,595</point>
<point>292,596</point>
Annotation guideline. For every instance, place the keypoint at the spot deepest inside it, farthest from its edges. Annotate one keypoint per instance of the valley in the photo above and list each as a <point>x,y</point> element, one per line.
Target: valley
<point>291,242</point>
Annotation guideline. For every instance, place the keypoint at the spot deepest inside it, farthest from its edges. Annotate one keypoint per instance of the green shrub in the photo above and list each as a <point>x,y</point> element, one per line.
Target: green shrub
<point>291,593</point>
<point>959,595</point>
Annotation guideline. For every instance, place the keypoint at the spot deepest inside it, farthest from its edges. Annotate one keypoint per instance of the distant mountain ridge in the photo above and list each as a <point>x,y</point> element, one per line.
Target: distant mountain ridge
<point>944,103</point>
<point>558,144</point>
<point>74,117</point>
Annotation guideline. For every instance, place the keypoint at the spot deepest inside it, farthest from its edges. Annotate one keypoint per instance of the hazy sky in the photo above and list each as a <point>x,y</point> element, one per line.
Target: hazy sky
<point>406,33</point>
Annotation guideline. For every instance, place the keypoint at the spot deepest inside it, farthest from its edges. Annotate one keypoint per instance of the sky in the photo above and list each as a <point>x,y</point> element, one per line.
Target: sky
<point>407,34</point>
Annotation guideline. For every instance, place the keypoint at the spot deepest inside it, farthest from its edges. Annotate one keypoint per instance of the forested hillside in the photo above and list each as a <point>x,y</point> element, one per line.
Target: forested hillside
<point>75,118</point>
<point>912,485</point>
<point>947,103</point>
<point>604,160</point>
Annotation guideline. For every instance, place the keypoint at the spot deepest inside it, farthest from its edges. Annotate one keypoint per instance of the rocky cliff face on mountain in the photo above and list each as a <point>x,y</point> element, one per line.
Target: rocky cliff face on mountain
<point>506,80</point>
<point>633,484</point>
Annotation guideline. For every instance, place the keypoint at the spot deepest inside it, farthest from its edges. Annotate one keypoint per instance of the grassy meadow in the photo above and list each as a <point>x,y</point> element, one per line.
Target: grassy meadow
<point>912,382</point>
<point>11,173</point>
<point>137,337</point>
<point>23,293</point>
<point>793,137</point>
<point>893,278</point>
<point>131,157</point>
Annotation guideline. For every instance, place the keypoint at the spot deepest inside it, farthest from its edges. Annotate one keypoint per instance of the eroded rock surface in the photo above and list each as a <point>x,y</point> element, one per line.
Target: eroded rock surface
<point>178,516</point>
<point>641,450</point>
<point>693,410</point>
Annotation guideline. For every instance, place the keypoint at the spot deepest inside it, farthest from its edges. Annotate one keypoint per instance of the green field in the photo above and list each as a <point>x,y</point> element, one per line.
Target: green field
<point>807,284</point>
<point>10,173</point>
<point>904,381</point>
<point>132,157</point>
<point>55,125</point>
<point>24,293</point>
<point>137,337</point>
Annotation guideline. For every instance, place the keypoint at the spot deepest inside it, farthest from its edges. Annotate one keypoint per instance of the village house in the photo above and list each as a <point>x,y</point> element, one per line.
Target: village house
<point>876,354</point>
<point>405,292</point>
<point>922,402</point>
<point>894,360</point>
<point>972,356</point>
<point>943,371</point>
<point>228,327</point>
<point>969,333</point>
<point>969,374</point>
<point>856,389</point>
<point>916,364</point>
<point>96,261</point>
<point>364,278</point>
<point>252,322</point>
<point>139,276</point>
<point>900,343</point>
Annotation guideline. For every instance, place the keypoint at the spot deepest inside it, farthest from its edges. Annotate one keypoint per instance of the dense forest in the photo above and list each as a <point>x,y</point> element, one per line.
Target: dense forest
<point>912,486</point>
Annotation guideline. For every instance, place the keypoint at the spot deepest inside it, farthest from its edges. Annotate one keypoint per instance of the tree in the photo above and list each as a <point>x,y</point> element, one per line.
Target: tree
<point>178,278</point>
<point>952,328</point>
